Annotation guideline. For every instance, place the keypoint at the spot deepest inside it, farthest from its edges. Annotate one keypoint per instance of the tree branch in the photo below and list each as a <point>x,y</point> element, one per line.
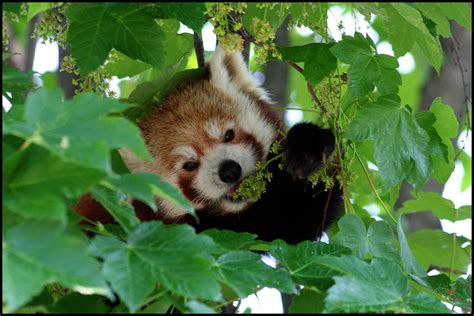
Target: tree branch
<point>308,85</point>
<point>199,47</point>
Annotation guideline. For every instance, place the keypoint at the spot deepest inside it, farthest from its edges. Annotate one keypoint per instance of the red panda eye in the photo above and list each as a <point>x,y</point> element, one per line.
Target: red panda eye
<point>190,165</point>
<point>229,135</point>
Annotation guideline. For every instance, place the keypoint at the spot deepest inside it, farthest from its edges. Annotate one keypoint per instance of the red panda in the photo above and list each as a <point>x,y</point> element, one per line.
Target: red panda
<point>206,138</point>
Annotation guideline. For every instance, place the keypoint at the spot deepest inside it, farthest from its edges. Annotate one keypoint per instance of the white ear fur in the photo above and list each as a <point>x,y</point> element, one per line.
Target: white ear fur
<point>228,70</point>
<point>219,74</point>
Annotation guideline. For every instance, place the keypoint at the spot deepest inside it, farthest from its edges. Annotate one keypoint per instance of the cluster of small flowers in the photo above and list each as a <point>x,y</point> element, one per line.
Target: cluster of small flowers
<point>264,36</point>
<point>329,91</point>
<point>52,27</point>
<point>313,16</point>
<point>96,81</point>
<point>232,42</point>
<point>225,27</point>
<point>4,32</point>
<point>253,187</point>
<point>24,9</point>
<point>322,176</point>
<point>6,16</point>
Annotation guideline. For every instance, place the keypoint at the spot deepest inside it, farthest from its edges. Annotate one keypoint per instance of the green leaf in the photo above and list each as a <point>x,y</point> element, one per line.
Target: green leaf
<point>196,307</point>
<point>435,13</point>
<point>77,303</point>
<point>16,81</point>
<point>378,240</point>
<point>367,69</point>
<point>458,11</point>
<point>311,14</point>
<point>438,148</point>
<point>423,303</point>
<point>466,161</point>
<point>427,245</point>
<point>271,15</point>
<point>409,261</point>
<point>139,37</point>
<point>301,260</point>
<point>97,28</point>
<point>440,283</point>
<point>231,240</point>
<point>36,7</point>
<point>405,27</point>
<point>404,157</point>
<point>376,287</point>
<point>150,94</point>
<point>34,257</point>
<point>190,14</point>
<point>11,7</point>
<point>123,66</point>
<point>446,126</point>
<point>317,57</point>
<point>178,46</point>
<point>160,306</point>
<point>162,85</point>
<point>50,80</point>
<point>117,205</point>
<point>36,183</point>
<point>90,34</point>
<point>462,295</point>
<point>145,186</point>
<point>434,202</point>
<point>172,255</point>
<point>441,13</point>
<point>118,165</point>
<point>78,130</point>
<point>244,271</point>
<point>307,302</point>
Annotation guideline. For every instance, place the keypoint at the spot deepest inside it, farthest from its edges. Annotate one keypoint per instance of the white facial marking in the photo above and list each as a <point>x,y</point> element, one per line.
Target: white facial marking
<point>213,129</point>
<point>186,151</point>
<point>208,180</point>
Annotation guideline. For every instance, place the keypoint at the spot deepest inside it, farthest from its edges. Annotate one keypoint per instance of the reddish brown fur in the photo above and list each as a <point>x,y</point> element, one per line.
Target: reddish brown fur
<point>180,120</point>
<point>246,138</point>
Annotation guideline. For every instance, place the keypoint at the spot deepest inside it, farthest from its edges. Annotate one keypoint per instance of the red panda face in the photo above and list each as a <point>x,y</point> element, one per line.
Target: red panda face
<point>207,136</point>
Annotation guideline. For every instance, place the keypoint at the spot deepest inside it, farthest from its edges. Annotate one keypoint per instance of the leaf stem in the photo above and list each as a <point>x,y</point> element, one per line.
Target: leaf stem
<point>389,213</point>
<point>26,144</point>
<point>153,298</point>
<point>453,252</point>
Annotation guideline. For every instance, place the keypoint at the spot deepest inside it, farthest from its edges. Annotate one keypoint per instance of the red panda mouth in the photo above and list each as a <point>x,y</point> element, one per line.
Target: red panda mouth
<point>230,195</point>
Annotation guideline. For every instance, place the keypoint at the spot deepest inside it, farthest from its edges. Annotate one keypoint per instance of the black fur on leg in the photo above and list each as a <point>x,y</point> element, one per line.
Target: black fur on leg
<point>307,148</point>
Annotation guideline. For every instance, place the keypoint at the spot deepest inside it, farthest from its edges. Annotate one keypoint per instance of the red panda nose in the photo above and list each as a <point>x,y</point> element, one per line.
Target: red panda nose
<point>229,171</point>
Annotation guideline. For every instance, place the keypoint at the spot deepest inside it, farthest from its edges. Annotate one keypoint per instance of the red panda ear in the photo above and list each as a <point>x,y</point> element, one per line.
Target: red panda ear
<point>228,71</point>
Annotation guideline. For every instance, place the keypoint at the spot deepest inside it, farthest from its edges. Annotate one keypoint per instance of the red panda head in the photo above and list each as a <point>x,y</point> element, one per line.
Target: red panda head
<point>207,136</point>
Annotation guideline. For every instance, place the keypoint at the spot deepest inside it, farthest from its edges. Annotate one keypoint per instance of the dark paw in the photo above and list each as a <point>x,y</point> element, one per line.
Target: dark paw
<point>307,149</point>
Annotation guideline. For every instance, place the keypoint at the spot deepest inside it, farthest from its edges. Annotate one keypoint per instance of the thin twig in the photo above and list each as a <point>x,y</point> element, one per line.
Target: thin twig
<point>461,70</point>
<point>444,269</point>
<point>237,18</point>
<point>308,85</point>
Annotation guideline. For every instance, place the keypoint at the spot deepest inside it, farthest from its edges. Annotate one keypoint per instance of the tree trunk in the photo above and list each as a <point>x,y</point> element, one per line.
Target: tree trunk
<point>277,72</point>
<point>24,60</point>
<point>64,78</point>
